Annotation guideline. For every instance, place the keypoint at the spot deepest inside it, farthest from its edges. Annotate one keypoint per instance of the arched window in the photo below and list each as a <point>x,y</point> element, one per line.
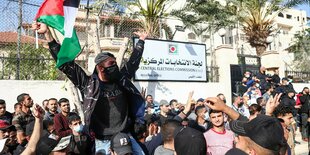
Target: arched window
<point>280,14</point>
<point>191,36</point>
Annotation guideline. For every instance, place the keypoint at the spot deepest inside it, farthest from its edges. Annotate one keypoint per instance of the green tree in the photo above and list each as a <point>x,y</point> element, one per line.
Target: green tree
<point>206,16</point>
<point>35,64</point>
<point>256,18</point>
<point>151,12</point>
<point>201,16</point>
<point>291,3</point>
<point>301,50</point>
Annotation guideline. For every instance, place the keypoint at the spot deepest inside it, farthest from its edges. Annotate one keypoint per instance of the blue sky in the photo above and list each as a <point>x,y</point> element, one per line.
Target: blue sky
<point>304,7</point>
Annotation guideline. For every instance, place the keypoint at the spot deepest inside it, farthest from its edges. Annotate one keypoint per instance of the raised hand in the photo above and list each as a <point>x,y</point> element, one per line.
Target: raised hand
<point>143,92</point>
<point>190,102</point>
<point>40,27</point>
<point>142,34</point>
<point>272,103</point>
<point>38,111</point>
<point>215,103</point>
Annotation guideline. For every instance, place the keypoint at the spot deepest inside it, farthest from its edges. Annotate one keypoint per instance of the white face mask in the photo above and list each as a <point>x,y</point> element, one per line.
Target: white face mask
<point>152,111</point>
<point>78,128</point>
<point>257,85</point>
<point>206,116</point>
<point>176,109</point>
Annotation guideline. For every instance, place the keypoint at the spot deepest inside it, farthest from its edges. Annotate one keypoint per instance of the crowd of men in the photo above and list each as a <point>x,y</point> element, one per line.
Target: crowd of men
<point>120,120</point>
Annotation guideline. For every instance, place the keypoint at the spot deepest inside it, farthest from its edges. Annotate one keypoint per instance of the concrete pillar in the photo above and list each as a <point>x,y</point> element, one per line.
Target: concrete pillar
<point>225,55</point>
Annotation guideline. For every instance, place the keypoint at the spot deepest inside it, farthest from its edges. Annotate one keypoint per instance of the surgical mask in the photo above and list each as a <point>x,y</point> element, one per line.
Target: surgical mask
<point>176,109</point>
<point>78,128</point>
<point>112,73</point>
<point>152,111</point>
<point>247,75</point>
<point>290,80</point>
<point>206,116</point>
<point>257,85</point>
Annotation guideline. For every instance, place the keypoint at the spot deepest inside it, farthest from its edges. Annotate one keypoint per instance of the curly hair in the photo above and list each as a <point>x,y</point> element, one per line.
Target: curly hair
<point>282,110</point>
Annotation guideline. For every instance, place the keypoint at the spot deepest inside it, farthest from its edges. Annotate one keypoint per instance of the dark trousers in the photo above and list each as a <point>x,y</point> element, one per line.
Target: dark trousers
<point>304,125</point>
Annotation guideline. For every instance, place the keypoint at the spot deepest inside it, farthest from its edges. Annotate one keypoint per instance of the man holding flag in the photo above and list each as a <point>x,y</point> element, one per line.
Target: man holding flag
<point>111,103</point>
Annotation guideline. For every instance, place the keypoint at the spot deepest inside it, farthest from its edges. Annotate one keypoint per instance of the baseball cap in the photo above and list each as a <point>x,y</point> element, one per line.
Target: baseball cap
<point>264,130</point>
<point>163,102</point>
<point>189,141</point>
<point>5,125</point>
<point>235,151</point>
<point>103,56</point>
<point>121,144</point>
<point>201,100</point>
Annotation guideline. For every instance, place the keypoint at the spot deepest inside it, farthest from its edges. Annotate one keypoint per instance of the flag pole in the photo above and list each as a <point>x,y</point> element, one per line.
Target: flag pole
<point>37,40</point>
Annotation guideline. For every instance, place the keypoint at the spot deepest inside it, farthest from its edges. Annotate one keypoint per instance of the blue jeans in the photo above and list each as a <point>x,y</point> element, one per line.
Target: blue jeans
<point>103,146</point>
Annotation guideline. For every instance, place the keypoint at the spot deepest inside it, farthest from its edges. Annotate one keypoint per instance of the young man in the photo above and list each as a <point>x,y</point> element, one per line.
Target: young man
<point>175,107</point>
<point>6,133</point>
<point>61,123</point>
<point>268,93</point>
<point>149,102</point>
<point>24,117</point>
<point>238,106</point>
<point>17,108</point>
<point>305,108</point>
<point>218,140</point>
<point>80,143</point>
<point>168,137</point>
<point>285,113</point>
<point>52,109</point>
<point>109,97</point>
<point>45,104</point>
<point>5,115</point>
<point>262,136</point>
<point>202,121</point>
<point>188,141</point>
<point>164,110</point>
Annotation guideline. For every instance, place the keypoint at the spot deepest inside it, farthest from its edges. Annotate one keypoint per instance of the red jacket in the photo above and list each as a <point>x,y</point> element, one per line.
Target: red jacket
<point>61,125</point>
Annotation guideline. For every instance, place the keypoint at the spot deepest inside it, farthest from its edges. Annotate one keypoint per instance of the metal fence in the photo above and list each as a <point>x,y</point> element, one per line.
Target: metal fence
<point>104,31</point>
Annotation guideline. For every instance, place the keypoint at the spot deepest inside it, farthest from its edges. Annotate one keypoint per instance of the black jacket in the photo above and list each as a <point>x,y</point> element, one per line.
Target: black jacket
<point>89,85</point>
<point>304,100</point>
<point>289,102</point>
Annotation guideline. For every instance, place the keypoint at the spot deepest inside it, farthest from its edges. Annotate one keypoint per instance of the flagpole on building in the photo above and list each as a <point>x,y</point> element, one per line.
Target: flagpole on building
<point>19,31</point>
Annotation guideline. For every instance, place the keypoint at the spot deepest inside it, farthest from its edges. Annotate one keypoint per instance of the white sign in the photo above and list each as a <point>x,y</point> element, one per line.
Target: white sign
<point>172,61</point>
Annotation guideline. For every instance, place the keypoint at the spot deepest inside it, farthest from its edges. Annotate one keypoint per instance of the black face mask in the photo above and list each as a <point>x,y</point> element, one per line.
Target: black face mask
<point>112,73</point>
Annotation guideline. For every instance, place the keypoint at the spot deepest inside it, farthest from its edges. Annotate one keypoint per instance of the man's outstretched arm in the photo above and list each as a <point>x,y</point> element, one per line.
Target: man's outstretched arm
<point>132,65</point>
<point>73,71</point>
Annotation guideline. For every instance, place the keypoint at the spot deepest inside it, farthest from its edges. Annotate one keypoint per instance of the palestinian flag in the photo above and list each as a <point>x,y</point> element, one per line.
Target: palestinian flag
<point>60,15</point>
